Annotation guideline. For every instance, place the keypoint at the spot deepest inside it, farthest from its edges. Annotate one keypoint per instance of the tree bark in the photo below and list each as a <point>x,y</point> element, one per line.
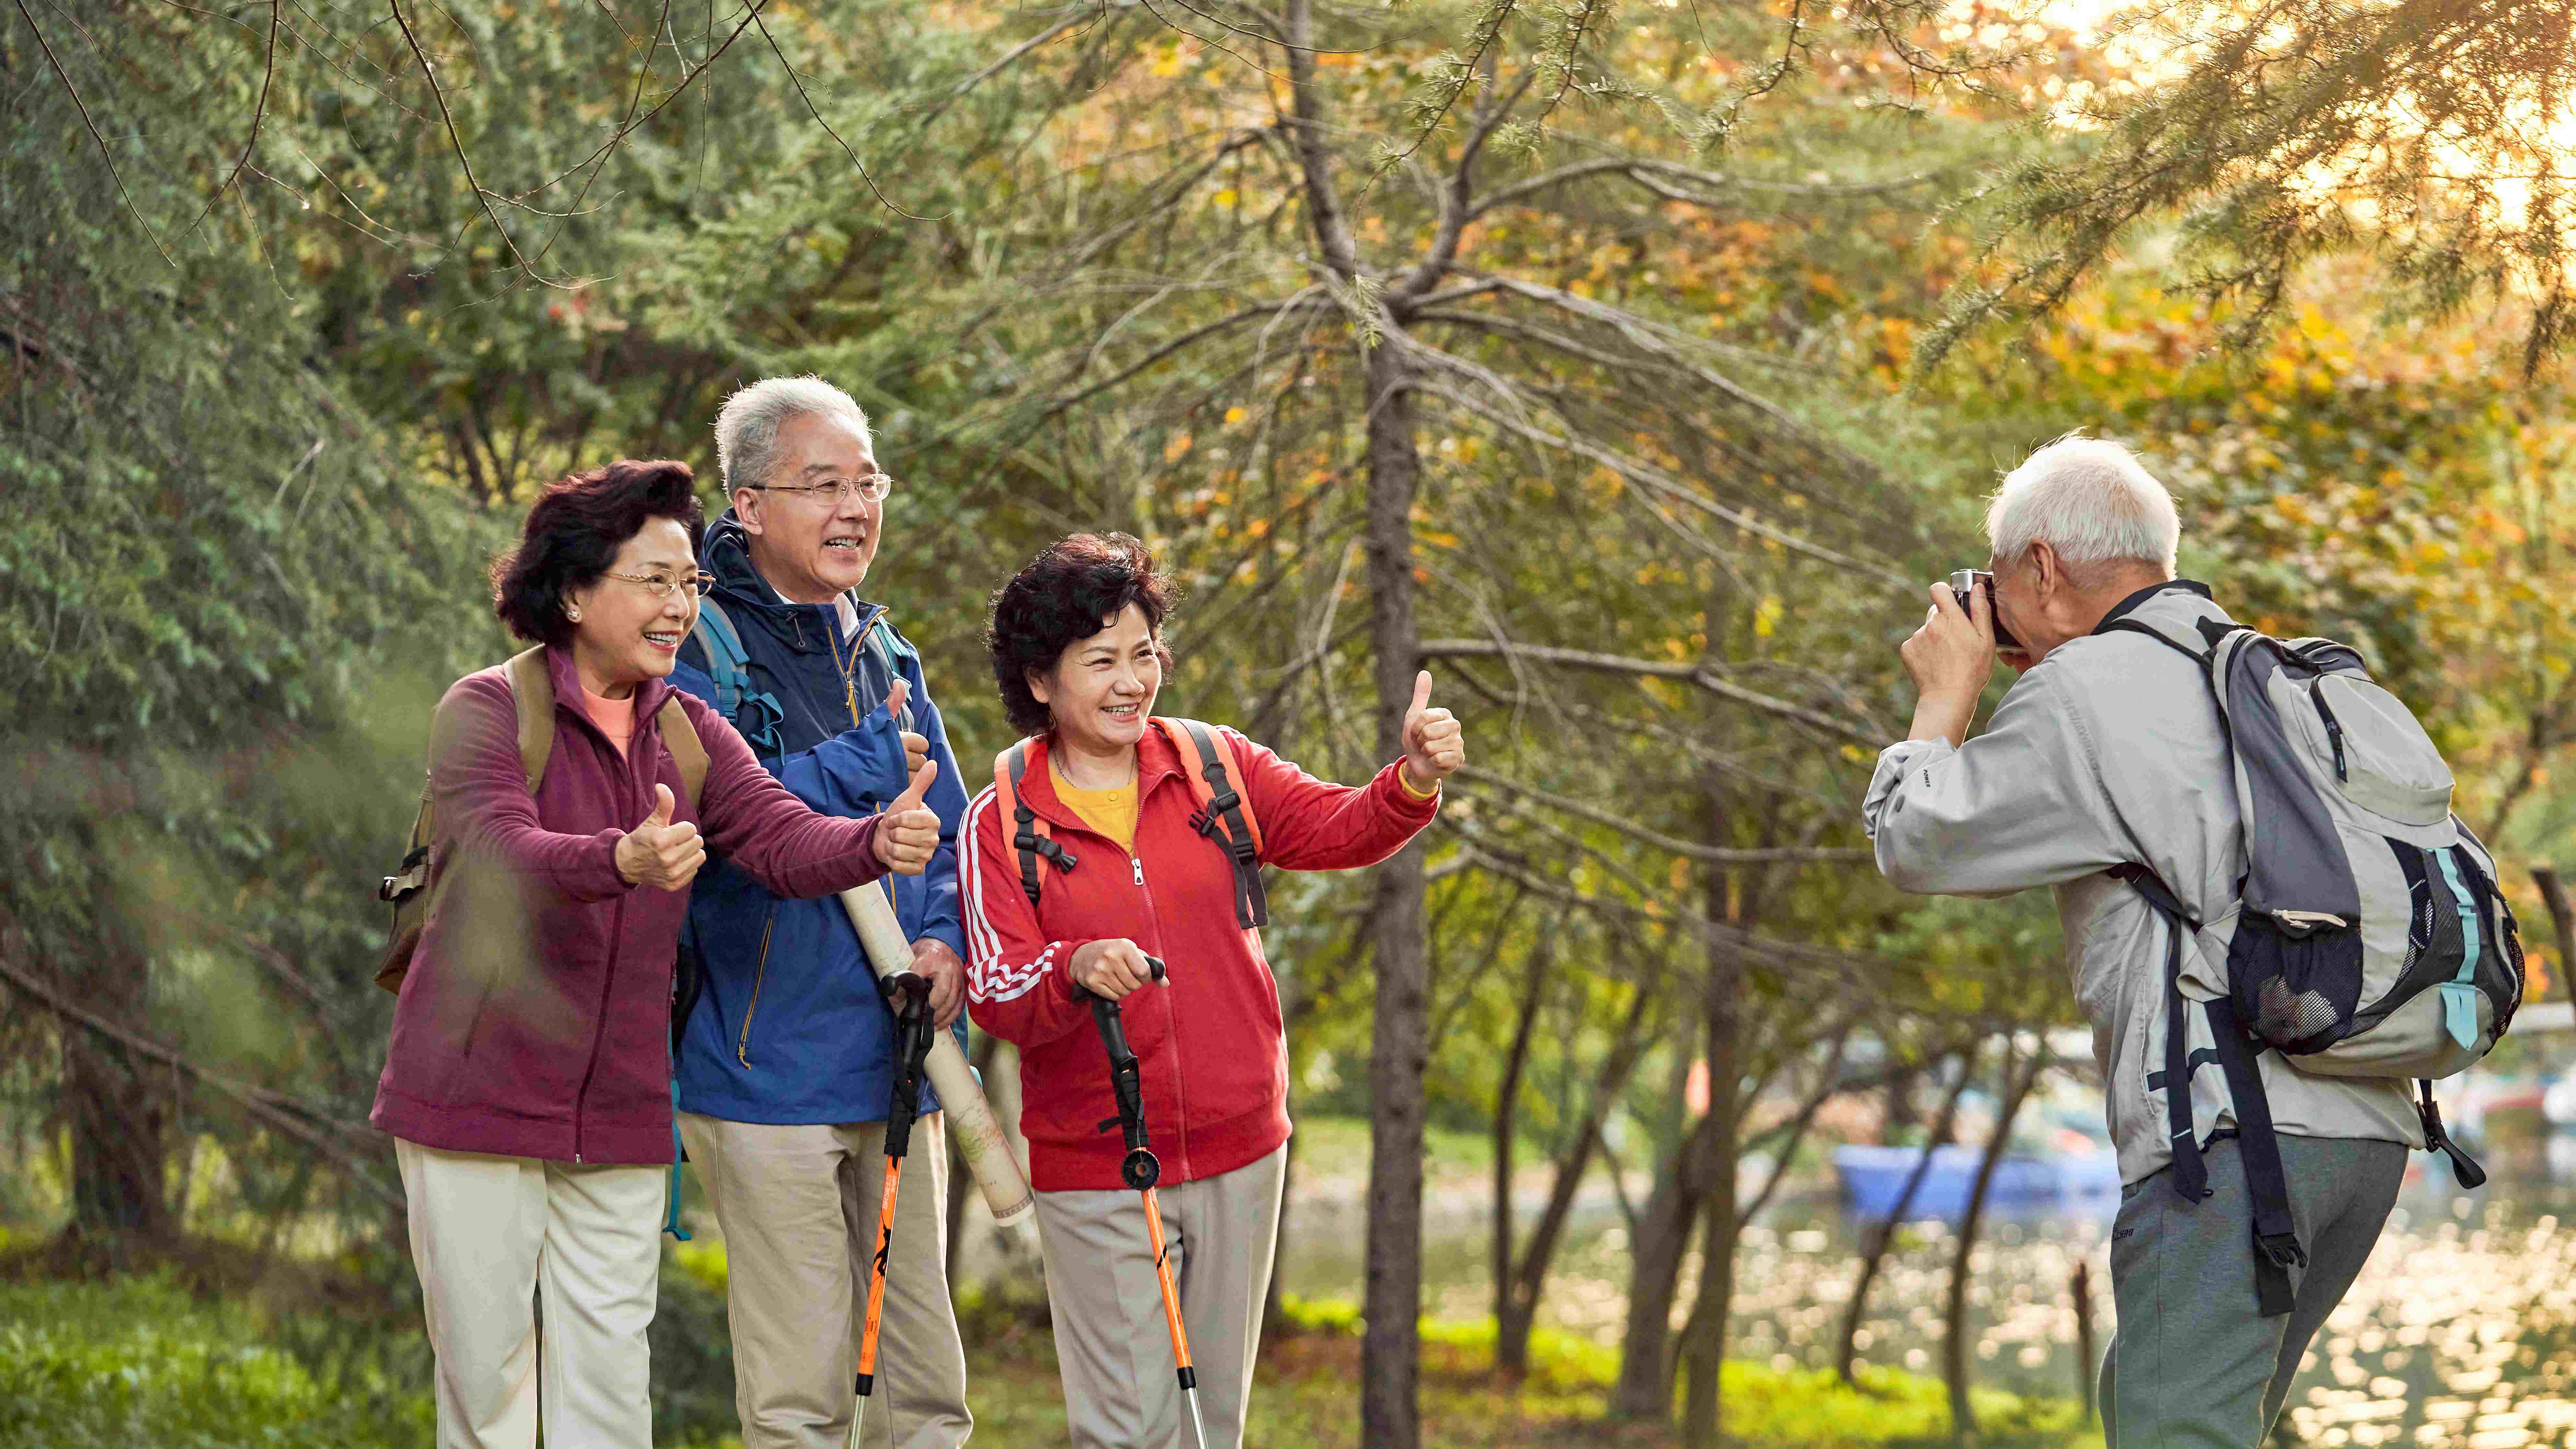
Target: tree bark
<point>1954,1343</point>
<point>1883,1235</point>
<point>1511,1316</point>
<point>1528,1280</point>
<point>1703,1345</point>
<point>2562,920</point>
<point>115,1116</point>
<point>1661,1240</point>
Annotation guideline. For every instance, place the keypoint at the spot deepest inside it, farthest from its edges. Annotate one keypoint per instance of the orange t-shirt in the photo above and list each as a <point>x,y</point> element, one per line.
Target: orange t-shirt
<point>615,717</point>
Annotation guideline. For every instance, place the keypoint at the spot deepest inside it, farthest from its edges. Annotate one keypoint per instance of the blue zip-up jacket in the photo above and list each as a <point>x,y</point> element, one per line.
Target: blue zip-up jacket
<point>790,1027</point>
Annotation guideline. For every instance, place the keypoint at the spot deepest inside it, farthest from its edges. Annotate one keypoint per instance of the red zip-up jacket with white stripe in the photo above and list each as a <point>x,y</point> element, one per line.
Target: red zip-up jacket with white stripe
<point>1213,1050</point>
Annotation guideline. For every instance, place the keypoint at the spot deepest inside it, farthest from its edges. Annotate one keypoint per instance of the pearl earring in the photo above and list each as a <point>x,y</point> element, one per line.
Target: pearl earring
<point>573,614</point>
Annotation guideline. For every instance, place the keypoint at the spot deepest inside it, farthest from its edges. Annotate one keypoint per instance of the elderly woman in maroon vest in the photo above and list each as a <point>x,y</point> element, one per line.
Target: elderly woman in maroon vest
<point>529,1080</point>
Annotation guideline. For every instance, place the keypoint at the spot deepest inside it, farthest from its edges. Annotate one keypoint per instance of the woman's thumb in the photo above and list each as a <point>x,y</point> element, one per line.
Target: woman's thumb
<point>895,698</point>
<point>663,805</point>
<point>910,799</point>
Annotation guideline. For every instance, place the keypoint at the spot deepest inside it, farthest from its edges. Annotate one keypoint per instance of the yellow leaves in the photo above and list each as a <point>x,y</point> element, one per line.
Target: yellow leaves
<point>1225,198</point>
<point>1855,754</point>
<point>1173,450</point>
<point>1235,415</point>
<point>1766,616</point>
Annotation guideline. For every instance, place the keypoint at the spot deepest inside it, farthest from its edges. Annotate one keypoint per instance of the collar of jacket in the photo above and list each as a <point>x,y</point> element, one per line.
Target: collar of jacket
<point>1155,759</point>
<point>650,694</point>
<point>726,553</point>
<point>2133,601</point>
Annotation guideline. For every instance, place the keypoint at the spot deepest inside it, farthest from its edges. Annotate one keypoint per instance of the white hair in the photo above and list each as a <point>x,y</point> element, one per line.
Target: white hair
<point>2091,501</point>
<point>747,426</point>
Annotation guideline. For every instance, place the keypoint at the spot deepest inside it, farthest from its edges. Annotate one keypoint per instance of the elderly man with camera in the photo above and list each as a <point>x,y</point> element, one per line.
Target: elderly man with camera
<point>2107,774</point>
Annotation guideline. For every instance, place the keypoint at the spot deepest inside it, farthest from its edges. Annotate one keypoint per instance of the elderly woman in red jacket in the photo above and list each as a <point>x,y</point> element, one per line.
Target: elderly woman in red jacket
<point>528,1085</point>
<point>1077,649</point>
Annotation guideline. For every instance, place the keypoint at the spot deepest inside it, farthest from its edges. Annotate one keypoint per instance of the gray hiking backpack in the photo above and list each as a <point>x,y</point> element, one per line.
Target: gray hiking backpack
<point>2370,939</point>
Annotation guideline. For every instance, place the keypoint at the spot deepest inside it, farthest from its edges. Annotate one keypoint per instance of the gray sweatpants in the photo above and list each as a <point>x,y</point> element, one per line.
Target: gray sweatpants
<point>2192,1361</point>
<point>1112,1344</point>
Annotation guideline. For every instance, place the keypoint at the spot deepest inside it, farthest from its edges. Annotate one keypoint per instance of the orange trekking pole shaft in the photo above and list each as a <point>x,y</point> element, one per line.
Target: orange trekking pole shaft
<point>913,1034</point>
<point>1141,1171</point>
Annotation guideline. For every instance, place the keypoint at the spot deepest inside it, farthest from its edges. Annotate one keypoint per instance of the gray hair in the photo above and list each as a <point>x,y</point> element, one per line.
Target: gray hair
<point>2091,501</point>
<point>747,426</point>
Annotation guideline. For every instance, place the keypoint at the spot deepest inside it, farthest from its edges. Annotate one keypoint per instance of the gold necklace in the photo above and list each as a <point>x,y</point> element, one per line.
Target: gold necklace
<point>848,670</point>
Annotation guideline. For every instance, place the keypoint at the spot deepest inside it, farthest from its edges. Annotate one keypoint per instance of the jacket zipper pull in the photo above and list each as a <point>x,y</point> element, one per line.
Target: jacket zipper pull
<point>1140,868</point>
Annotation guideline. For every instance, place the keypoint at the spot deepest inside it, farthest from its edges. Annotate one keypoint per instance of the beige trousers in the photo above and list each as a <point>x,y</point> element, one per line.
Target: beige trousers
<point>488,1235</point>
<point>798,1206</point>
<point>1112,1344</point>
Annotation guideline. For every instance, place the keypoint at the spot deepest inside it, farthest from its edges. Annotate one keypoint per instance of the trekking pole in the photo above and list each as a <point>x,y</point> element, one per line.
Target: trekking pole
<point>913,1033</point>
<point>1140,1171</point>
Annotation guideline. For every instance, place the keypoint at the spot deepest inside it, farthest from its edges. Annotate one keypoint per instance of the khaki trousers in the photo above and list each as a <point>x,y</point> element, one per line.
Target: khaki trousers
<point>1112,1344</point>
<point>798,1206</point>
<point>488,1235</point>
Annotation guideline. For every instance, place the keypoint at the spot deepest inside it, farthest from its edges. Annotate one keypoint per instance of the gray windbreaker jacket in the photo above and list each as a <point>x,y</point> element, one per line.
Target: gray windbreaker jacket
<point>2107,752</point>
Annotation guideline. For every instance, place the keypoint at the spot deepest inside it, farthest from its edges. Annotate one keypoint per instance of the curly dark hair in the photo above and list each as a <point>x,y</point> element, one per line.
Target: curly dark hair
<point>573,534</point>
<point>1074,589</point>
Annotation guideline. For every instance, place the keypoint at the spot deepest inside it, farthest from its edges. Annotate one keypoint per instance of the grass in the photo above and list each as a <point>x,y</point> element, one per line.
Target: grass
<point>155,1360</point>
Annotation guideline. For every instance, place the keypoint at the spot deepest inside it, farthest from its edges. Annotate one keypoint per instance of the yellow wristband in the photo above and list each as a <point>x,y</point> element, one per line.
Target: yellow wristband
<point>1407,782</point>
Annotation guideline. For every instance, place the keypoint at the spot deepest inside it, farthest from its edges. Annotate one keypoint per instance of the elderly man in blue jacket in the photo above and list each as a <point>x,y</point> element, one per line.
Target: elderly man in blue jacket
<point>785,1060</point>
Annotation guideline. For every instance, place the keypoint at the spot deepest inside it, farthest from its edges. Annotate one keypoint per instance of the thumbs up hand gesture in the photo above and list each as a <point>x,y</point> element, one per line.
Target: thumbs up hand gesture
<point>659,853</point>
<point>1434,743</point>
<point>908,832</point>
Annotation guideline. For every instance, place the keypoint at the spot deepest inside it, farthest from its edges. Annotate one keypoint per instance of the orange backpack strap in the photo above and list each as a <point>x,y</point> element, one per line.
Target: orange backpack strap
<point>1224,815</point>
<point>1030,838</point>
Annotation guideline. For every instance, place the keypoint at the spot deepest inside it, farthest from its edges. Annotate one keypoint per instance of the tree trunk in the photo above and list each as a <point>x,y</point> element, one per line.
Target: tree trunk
<point>1954,1343</point>
<point>1512,1312</point>
<point>1661,1240</point>
<point>1399,1047</point>
<point>1882,1236</point>
<point>1528,1279</point>
<point>1703,1346</point>
<point>2562,920</point>
<point>114,1114</point>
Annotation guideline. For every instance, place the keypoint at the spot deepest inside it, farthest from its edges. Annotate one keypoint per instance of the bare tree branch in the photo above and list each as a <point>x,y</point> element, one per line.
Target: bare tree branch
<point>1699,676</point>
<point>104,154</point>
<point>1725,855</point>
<point>438,93</point>
<point>299,1120</point>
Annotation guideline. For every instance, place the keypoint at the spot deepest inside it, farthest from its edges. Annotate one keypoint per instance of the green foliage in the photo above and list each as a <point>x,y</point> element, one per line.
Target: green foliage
<point>141,1362</point>
<point>2434,137</point>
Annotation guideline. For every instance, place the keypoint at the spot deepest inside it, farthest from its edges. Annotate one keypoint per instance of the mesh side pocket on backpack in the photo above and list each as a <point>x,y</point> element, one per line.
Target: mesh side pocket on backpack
<point>2297,992</point>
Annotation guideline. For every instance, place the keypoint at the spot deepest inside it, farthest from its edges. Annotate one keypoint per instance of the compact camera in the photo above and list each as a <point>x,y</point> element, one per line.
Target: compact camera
<point>1966,580</point>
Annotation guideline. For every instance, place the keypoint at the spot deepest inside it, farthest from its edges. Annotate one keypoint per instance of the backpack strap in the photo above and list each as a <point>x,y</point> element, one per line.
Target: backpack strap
<point>533,691</point>
<point>756,716</point>
<point>1029,834</point>
<point>2267,1184</point>
<point>1223,816</point>
<point>680,737</point>
<point>888,646</point>
<point>2190,1174</point>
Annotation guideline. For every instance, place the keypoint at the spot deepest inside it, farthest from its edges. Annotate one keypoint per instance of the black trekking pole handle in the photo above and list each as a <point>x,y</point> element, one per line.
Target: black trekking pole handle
<point>1126,1082</point>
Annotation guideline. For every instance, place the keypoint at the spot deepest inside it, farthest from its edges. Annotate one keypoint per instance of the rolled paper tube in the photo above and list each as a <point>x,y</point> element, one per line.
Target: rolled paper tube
<point>970,1118</point>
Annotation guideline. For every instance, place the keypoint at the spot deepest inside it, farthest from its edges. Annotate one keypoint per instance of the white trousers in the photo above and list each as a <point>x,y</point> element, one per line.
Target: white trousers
<point>495,1239</point>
